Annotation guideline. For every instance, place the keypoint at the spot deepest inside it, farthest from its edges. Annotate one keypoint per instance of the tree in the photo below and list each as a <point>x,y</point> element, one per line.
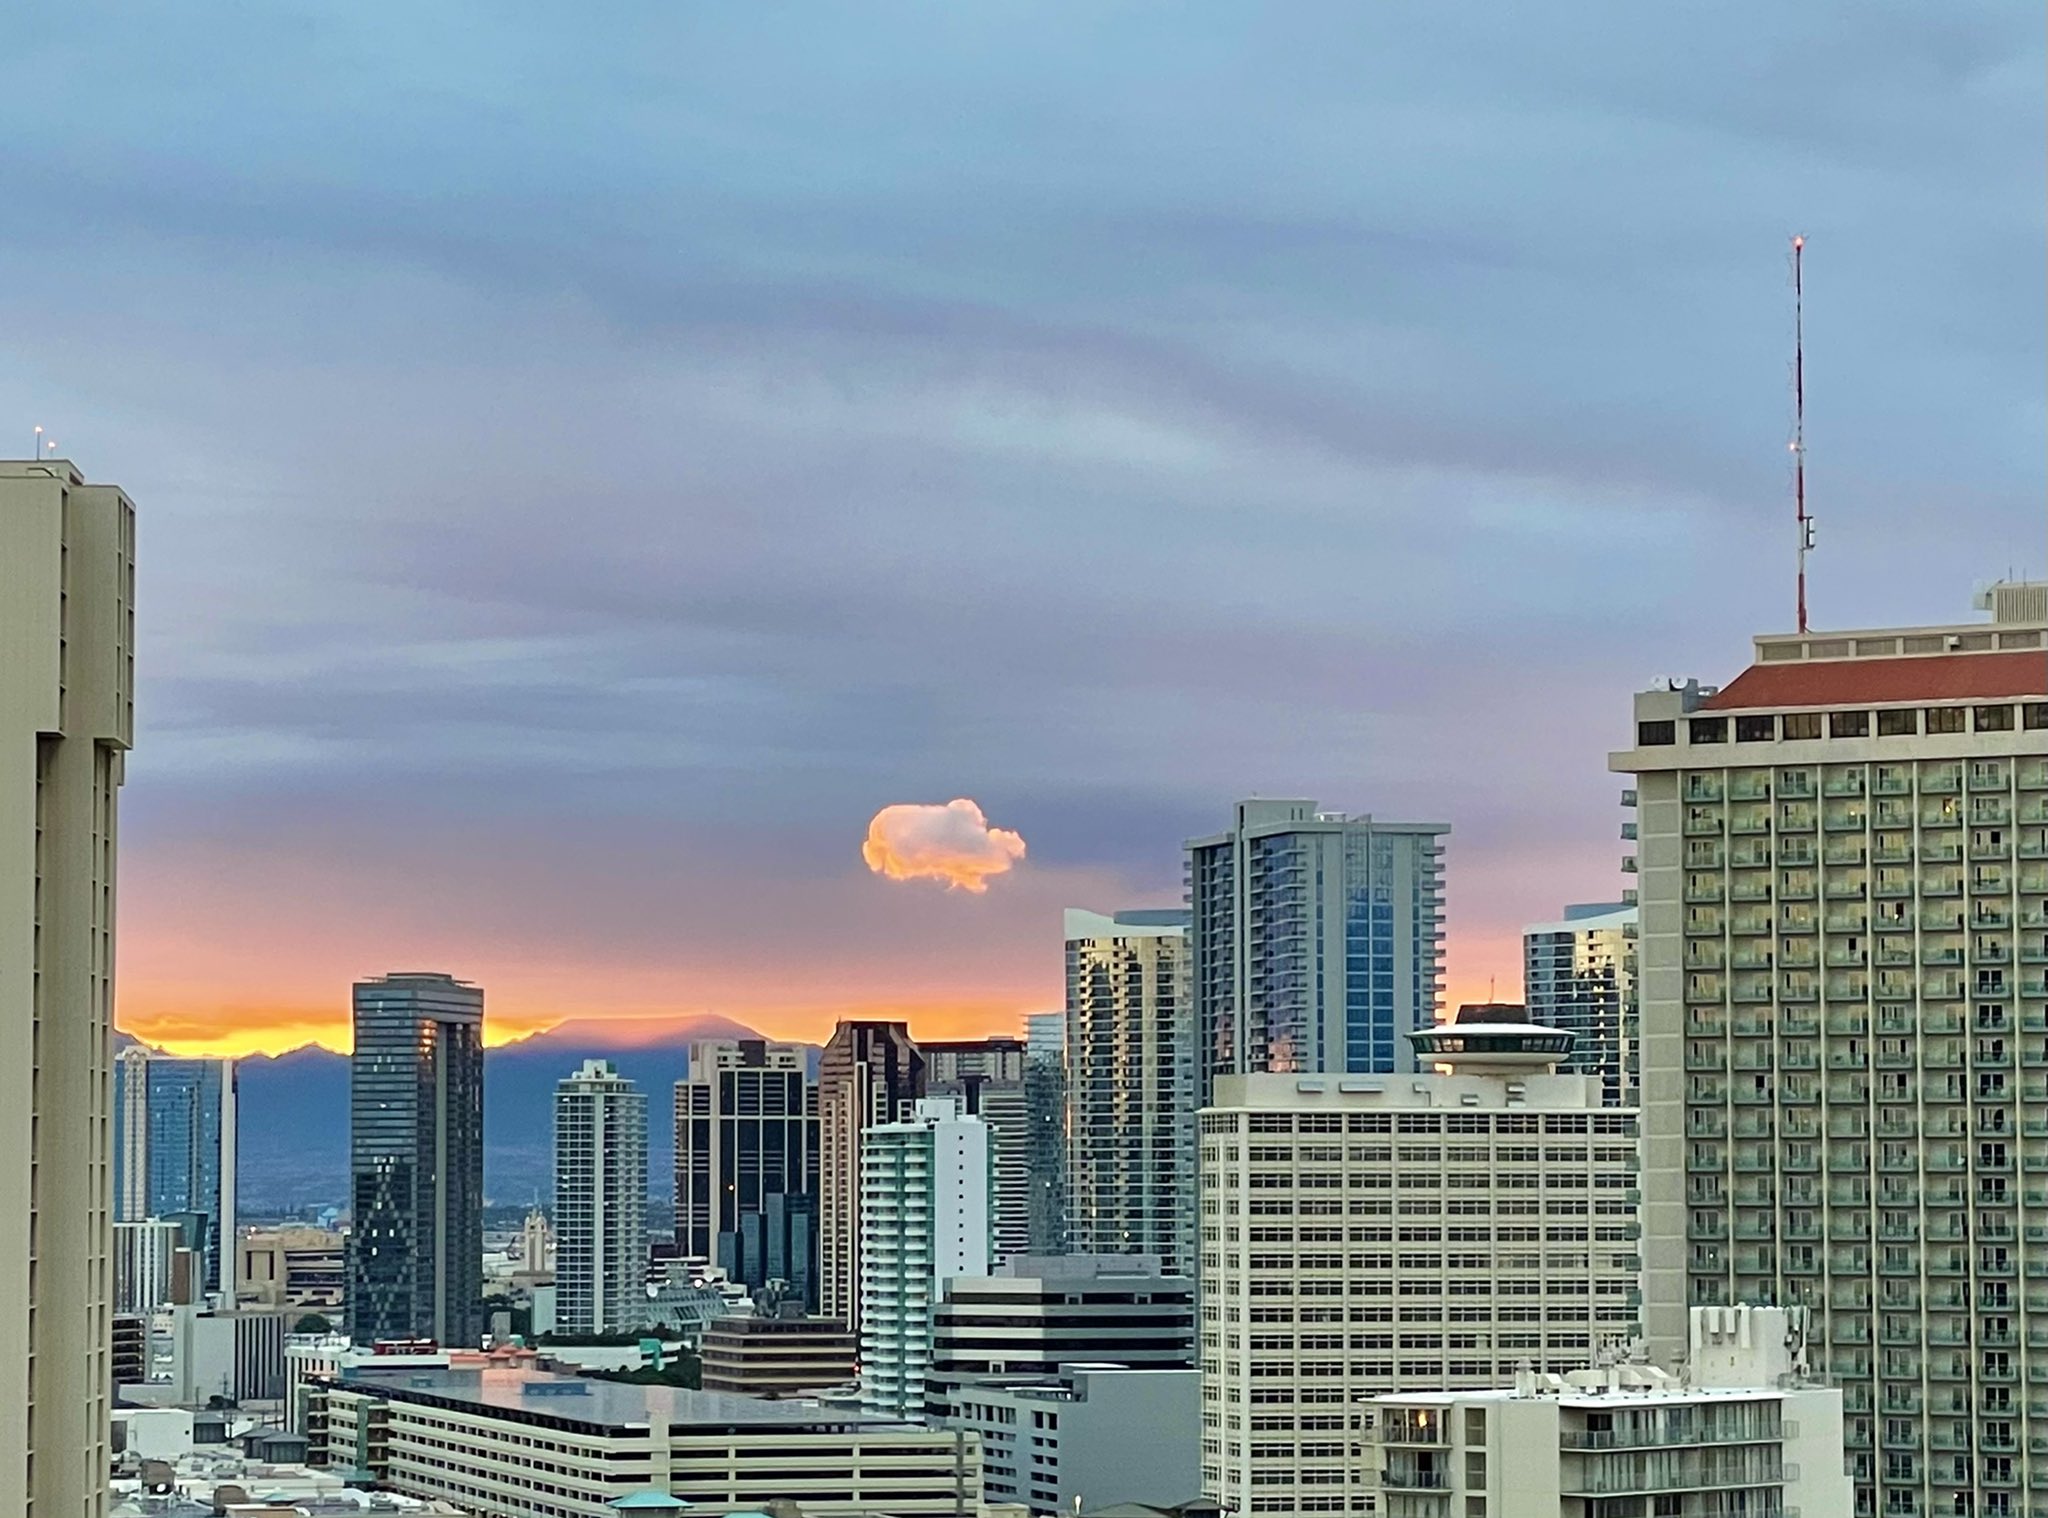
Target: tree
<point>312,1323</point>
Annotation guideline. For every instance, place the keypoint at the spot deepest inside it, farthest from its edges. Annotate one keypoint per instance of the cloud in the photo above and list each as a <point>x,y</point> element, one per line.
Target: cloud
<point>953,843</point>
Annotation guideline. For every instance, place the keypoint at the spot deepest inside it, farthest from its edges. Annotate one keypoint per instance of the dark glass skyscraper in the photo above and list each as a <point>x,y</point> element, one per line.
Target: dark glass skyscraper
<point>869,1073</point>
<point>746,1146</point>
<point>416,1154</point>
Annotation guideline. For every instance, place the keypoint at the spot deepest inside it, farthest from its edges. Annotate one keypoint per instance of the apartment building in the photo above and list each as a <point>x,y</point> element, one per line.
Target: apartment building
<point>1131,1048</point>
<point>513,1442</point>
<point>987,1076</point>
<point>1366,1234</point>
<point>1753,1435</point>
<point>1843,867</point>
<point>1579,974</point>
<point>1316,940</point>
<point>600,1201</point>
<point>927,1216</point>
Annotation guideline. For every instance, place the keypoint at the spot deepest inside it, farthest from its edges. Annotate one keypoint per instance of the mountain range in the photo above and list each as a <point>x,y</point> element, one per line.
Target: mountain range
<point>294,1111</point>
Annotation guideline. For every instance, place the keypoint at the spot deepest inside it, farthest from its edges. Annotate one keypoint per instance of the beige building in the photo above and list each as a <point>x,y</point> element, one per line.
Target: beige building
<point>292,1267</point>
<point>1748,1432</point>
<point>501,1443</point>
<point>1843,866</point>
<point>67,593</point>
<point>1363,1234</point>
<point>776,1356</point>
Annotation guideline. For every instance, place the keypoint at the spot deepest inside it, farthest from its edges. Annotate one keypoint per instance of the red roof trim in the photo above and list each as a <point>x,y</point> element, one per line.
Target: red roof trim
<point>1876,682</point>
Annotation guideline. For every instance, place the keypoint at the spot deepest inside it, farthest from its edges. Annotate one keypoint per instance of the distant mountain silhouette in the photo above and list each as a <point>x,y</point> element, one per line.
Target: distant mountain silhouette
<point>294,1109</point>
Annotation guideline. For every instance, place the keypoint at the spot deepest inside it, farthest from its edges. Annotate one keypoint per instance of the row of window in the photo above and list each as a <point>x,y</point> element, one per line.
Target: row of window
<point>1890,722</point>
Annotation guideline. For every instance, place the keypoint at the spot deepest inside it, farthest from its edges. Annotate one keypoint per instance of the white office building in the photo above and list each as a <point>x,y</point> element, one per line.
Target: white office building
<point>67,714</point>
<point>1086,1436</point>
<point>1131,1046</point>
<point>600,1202</point>
<point>1579,974</point>
<point>1843,870</point>
<point>1366,1234</point>
<point>1745,1432</point>
<point>927,1215</point>
<point>1316,940</point>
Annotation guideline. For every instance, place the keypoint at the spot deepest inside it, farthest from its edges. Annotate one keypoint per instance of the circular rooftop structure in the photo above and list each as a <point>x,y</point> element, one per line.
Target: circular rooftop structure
<point>1492,1035</point>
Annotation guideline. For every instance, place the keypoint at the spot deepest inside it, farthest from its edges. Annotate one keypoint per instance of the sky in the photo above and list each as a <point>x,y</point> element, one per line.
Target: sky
<point>591,461</point>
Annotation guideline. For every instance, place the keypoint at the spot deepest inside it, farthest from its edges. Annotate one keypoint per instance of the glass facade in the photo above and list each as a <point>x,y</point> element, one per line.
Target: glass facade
<point>174,1151</point>
<point>416,1105</point>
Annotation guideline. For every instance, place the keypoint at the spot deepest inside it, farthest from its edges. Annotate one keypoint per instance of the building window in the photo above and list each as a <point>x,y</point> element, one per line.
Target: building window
<point>1848,724</point>
<point>1898,724</point>
<point>2034,715</point>
<point>1945,719</point>
<point>1755,729</point>
<point>1994,719</point>
<point>1709,729</point>
<point>1656,734</point>
<point>1802,724</point>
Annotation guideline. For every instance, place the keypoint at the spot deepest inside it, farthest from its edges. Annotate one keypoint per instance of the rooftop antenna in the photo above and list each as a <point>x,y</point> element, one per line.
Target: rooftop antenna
<point>1805,522</point>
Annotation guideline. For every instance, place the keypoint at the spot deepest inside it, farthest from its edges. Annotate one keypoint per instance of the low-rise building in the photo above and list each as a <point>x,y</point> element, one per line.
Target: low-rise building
<point>519,1443</point>
<point>776,1356</point>
<point>1040,1313</point>
<point>292,1267</point>
<point>1745,1431</point>
<point>1088,1434</point>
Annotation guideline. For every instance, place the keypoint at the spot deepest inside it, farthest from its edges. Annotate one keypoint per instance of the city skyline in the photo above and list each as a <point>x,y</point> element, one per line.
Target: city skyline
<point>1341,406</point>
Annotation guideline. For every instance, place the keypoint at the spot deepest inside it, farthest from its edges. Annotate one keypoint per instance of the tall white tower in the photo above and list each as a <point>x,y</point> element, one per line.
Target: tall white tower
<point>600,1201</point>
<point>67,683</point>
<point>927,1215</point>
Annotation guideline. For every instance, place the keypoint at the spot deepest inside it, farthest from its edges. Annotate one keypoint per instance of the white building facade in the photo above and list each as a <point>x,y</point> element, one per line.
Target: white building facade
<point>927,1215</point>
<point>67,702</point>
<point>600,1202</point>
<point>1843,866</point>
<point>1365,1234</point>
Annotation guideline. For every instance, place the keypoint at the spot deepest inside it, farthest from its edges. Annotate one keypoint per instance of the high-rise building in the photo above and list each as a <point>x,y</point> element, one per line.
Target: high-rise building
<point>988,1077</point>
<point>1316,940</point>
<point>67,682</point>
<point>927,1215</point>
<point>153,1267</point>
<point>1372,1234</point>
<point>1745,1430</point>
<point>416,1155</point>
<point>1580,975</point>
<point>869,1073</point>
<point>746,1120</point>
<point>1843,867</point>
<point>1045,1103</point>
<point>1041,1314</point>
<point>174,1152</point>
<point>600,1201</point>
<point>1131,1166</point>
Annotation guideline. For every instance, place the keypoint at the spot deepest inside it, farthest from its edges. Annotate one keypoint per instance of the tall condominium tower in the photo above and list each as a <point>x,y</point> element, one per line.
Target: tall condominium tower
<point>174,1153</point>
<point>1371,1235</point>
<point>927,1215</point>
<point>416,1155</point>
<point>600,1201</point>
<point>67,590</point>
<point>1317,940</point>
<point>1131,1167</point>
<point>869,1074</point>
<point>1843,860</point>
<point>1045,1098</point>
<point>988,1077</point>
<point>1580,975</point>
<point>747,1162</point>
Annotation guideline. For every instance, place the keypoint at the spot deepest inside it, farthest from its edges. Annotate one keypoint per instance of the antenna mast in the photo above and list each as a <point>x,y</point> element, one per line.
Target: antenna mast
<point>1804,522</point>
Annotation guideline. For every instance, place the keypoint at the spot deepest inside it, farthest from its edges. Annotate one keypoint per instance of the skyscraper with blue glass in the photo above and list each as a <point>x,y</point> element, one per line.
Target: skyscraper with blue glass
<point>1315,940</point>
<point>174,1152</point>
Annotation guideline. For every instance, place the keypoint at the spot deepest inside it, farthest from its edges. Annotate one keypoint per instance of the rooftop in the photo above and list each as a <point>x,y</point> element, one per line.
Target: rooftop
<point>605,1404</point>
<point>1998,676</point>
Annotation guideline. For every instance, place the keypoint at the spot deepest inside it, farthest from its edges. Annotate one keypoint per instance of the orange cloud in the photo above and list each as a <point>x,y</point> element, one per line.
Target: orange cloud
<point>953,843</point>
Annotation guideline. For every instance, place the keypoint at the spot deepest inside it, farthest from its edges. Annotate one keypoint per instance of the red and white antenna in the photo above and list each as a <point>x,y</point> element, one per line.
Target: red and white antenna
<point>1804,522</point>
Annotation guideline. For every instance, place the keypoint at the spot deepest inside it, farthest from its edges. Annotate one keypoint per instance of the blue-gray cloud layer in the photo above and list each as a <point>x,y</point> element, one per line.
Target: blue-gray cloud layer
<point>661,434</point>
